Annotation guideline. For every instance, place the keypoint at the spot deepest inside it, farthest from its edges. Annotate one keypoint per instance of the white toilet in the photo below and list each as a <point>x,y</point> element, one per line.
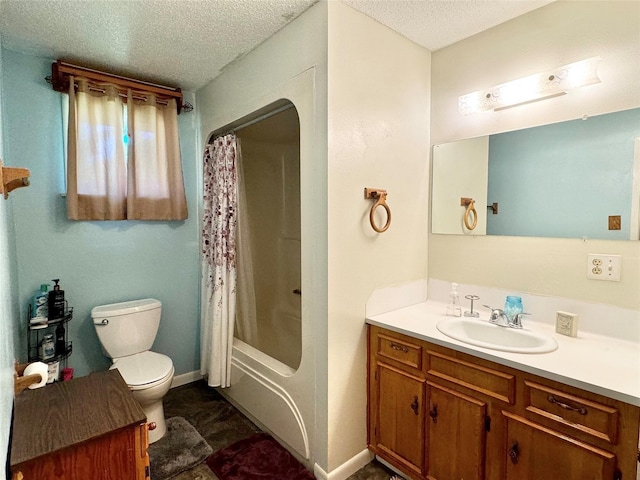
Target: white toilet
<point>126,331</point>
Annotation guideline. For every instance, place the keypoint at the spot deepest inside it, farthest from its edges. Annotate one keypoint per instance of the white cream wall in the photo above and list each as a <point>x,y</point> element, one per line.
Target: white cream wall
<point>378,107</point>
<point>556,34</point>
<point>379,124</point>
<point>280,67</point>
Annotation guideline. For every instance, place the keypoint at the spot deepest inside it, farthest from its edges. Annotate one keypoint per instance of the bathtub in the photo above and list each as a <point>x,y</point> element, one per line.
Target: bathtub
<point>274,395</point>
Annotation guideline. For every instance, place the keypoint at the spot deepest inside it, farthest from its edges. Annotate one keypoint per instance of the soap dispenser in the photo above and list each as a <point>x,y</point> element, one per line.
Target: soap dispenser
<point>56,301</point>
<point>453,308</point>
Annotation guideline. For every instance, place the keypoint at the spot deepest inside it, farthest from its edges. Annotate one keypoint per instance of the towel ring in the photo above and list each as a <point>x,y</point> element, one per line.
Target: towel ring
<point>470,211</point>
<point>380,196</point>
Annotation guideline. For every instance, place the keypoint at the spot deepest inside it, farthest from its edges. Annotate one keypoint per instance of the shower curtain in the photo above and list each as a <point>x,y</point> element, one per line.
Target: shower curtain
<point>219,271</point>
<point>222,230</point>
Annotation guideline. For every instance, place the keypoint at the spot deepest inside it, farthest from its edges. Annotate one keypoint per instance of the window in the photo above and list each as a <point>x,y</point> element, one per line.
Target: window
<point>123,154</point>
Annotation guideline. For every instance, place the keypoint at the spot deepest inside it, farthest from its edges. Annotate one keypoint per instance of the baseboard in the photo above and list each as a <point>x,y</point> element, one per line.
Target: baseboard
<point>345,470</point>
<point>185,378</point>
<point>390,467</point>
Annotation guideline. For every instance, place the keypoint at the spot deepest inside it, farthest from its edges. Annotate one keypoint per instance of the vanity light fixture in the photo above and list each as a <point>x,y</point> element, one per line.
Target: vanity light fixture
<point>532,88</point>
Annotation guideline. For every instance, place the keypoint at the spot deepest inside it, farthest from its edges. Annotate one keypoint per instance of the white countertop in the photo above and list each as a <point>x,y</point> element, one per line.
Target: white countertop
<point>604,365</point>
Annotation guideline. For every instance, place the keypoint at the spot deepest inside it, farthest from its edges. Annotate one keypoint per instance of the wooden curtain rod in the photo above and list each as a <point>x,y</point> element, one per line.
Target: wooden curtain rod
<point>61,71</point>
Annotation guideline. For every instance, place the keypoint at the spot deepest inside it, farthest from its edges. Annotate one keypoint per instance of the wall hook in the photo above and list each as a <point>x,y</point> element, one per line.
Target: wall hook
<point>12,178</point>
<point>380,196</point>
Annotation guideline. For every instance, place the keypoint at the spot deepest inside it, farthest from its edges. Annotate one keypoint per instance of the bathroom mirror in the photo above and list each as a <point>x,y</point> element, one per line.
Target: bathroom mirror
<point>573,179</point>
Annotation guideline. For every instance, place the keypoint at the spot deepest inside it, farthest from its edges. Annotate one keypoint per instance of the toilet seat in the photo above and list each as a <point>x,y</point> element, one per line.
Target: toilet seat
<point>144,370</point>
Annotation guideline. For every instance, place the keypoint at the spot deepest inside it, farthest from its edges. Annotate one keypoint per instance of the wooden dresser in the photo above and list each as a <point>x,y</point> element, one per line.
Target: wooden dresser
<point>88,428</point>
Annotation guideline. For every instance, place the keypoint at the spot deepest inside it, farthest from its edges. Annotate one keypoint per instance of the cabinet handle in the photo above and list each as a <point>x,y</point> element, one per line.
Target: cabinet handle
<point>400,348</point>
<point>152,425</point>
<point>514,452</point>
<point>566,406</point>
<point>434,414</point>
<point>414,405</point>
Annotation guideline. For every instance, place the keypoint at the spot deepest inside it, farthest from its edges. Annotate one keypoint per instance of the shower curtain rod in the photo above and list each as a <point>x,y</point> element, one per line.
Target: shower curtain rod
<point>234,128</point>
<point>263,117</point>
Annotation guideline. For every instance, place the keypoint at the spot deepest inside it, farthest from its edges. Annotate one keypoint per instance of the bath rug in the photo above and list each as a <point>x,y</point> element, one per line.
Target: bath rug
<point>258,457</point>
<point>201,472</point>
<point>181,448</point>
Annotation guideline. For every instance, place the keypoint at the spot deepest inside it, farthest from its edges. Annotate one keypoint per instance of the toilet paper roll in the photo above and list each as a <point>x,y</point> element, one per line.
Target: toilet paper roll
<point>40,368</point>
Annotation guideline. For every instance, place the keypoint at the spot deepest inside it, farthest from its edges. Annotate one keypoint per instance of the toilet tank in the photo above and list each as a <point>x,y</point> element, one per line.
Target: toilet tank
<point>127,328</point>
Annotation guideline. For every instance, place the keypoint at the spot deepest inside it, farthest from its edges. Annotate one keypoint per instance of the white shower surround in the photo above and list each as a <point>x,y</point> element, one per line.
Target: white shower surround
<point>275,396</point>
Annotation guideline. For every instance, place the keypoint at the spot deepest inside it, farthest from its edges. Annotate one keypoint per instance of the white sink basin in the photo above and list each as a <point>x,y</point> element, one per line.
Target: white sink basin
<point>484,334</point>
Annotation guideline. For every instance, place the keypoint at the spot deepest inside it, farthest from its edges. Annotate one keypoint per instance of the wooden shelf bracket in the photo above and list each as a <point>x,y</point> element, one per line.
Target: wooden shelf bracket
<point>12,178</point>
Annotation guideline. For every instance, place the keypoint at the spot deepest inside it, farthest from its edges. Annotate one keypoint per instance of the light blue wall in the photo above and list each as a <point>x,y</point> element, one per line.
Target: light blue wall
<point>8,320</point>
<point>97,262</point>
<point>7,325</point>
<point>582,171</point>
<point>8,305</point>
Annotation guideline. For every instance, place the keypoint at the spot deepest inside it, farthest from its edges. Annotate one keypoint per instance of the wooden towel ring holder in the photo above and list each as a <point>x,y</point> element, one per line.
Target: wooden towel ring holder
<point>380,196</point>
<point>469,213</point>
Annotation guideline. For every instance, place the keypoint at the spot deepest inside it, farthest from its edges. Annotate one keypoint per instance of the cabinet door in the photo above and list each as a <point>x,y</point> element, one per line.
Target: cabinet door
<point>456,435</point>
<point>399,428</point>
<point>109,457</point>
<point>535,452</point>
<point>142,452</point>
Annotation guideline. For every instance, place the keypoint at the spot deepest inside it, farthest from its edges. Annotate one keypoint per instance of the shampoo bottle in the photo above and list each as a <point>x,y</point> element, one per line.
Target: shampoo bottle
<point>61,346</point>
<point>39,307</point>
<point>56,301</point>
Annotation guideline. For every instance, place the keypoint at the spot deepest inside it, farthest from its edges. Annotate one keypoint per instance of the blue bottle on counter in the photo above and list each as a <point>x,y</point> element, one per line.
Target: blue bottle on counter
<point>512,307</point>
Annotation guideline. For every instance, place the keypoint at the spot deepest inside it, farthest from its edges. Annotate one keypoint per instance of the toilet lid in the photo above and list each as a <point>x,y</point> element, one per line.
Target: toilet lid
<point>143,368</point>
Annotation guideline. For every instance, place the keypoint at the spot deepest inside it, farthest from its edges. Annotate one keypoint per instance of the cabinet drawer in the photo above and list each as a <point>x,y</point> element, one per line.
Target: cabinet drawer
<point>482,379</point>
<point>407,353</point>
<point>578,413</point>
<point>537,452</point>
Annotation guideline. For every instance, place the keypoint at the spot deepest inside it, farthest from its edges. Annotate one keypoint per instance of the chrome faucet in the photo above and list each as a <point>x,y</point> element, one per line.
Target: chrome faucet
<point>498,317</point>
<point>517,320</point>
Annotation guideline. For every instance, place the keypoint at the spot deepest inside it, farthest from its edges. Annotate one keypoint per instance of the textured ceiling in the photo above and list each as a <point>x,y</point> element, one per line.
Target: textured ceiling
<point>179,42</point>
<point>434,24</point>
<point>187,43</point>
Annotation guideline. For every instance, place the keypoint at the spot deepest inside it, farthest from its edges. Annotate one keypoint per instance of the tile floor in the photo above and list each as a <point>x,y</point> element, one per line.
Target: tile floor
<point>221,424</point>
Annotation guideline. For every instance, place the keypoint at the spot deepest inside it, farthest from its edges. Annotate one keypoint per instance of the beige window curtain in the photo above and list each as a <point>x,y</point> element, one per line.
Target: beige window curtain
<point>155,184</point>
<point>96,168</point>
<point>106,184</point>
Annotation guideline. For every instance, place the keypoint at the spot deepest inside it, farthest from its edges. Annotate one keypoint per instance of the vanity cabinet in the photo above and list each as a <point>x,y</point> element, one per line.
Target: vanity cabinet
<point>398,392</point>
<point>401,416</point>
<point>537,452</point>
<point>438,414</point>
<point>455,442</point>
<point>87,428</point>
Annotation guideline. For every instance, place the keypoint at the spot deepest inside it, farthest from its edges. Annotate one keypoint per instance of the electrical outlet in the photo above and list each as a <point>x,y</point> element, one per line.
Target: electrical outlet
<point>603,267</point>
